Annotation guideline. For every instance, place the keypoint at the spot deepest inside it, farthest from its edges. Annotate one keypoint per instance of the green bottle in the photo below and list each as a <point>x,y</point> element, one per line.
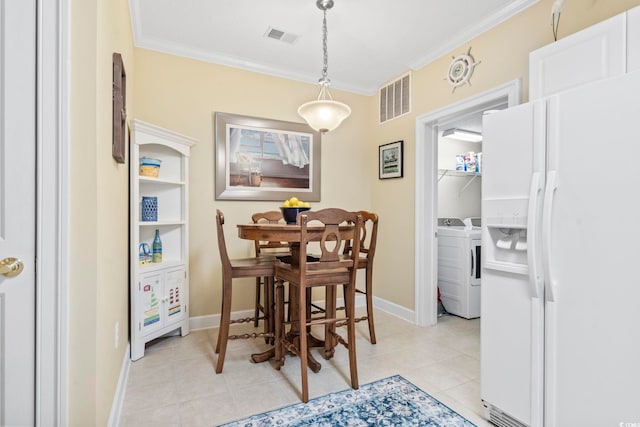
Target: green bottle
<point>157,248</point>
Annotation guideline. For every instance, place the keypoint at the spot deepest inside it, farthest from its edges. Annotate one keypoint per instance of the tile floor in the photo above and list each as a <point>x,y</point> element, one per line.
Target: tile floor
<point>175,384</point>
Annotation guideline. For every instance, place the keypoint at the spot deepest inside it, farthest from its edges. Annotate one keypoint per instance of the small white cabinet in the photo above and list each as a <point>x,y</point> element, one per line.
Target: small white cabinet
<point>159,290</point>
<point>595,53</point>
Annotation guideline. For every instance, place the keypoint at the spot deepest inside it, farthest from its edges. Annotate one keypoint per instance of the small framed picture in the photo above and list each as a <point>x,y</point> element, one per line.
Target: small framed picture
<point>391,159</point>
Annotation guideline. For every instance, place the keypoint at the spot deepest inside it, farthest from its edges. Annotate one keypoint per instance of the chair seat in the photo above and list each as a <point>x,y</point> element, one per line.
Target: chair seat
<point>258,261</point>
<point>313,277</point>
<point>362,261</point>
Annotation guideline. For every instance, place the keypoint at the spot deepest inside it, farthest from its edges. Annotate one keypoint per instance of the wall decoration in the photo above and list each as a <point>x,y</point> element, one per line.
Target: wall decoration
<point>461,69</point>
<point>119,109</point>
<point>263,159</point>
<point>391,160</point>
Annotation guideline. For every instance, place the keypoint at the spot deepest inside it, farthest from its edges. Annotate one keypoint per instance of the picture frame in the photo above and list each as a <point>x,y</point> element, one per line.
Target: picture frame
<point>119,109</point>
<point>391,160</point>
<point>265,160</point>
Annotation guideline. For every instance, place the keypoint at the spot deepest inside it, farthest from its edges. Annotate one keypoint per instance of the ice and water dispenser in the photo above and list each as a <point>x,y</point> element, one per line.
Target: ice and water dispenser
<point>506,248</point>
<point>505,236</point>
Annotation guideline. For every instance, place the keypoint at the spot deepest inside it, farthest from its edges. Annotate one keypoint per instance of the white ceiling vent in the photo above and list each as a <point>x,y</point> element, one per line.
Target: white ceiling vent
<point>283,36</point>
<point>395,99</point>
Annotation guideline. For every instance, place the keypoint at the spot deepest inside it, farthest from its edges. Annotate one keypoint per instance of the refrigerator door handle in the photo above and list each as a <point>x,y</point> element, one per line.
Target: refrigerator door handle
<point>549,282</point>
<point>535,281</point>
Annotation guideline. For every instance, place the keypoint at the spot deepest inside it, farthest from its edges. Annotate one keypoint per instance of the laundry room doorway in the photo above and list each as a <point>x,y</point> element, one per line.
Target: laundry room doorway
<point>429,130</point>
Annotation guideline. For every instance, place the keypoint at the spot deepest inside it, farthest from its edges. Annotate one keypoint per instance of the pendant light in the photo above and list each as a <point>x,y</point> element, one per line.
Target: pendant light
<point>324,114</point>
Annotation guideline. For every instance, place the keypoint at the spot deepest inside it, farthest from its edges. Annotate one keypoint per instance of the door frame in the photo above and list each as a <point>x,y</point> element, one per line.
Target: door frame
<point>426,185</point>
<point>52,211</point>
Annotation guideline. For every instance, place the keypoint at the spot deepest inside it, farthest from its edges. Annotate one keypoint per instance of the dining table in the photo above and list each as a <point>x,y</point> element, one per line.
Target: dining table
<point>290,233</point>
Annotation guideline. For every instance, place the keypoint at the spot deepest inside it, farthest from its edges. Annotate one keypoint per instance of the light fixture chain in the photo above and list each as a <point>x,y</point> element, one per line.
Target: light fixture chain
<point>324,47</point>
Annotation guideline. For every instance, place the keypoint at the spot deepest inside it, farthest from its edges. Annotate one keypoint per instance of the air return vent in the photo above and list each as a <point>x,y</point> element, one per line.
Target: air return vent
<point>395,99</point>
<point>283,36</point>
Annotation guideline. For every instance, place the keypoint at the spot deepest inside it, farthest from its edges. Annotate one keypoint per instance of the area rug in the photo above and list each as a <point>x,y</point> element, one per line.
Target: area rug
<point>392,401</point>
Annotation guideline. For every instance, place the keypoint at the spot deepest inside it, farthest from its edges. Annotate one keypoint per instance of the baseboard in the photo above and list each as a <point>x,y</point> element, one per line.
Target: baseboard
<point>213,320</point>
<point>118,398</point>
<point>394,309</point>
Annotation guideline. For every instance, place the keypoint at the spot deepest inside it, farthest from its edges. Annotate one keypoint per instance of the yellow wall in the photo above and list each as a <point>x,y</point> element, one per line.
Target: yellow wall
<point>504,55</point>
<point>98,289</point>
<point>182,95</point>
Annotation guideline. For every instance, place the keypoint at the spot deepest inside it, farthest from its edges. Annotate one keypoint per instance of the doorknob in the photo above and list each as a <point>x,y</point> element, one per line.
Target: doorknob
<point>11,267</point>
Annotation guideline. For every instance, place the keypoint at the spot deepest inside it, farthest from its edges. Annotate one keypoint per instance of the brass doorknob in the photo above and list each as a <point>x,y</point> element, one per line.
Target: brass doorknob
<point>11,267</point>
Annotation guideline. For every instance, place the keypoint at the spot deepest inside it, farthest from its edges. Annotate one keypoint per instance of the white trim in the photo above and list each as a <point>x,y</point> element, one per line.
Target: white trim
<point>52,212</point>
<point>394,309</point>
<point>463,35</point>
<point>426,196</point>
<point>118,399</point>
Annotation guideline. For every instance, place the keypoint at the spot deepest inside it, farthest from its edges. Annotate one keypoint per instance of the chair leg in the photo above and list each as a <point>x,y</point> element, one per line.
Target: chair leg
<point>279,325</point>
<point>225,320</point>
<point>257,308</point>
<point>302,322</point>
<point>369,296</point>
<point>330,327</point>
<point>269,319</point>
<point>222,309</point>
<point>351,335</point>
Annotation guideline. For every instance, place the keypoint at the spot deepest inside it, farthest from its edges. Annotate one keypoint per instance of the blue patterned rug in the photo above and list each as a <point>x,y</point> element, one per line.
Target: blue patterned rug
<point>392,401</point>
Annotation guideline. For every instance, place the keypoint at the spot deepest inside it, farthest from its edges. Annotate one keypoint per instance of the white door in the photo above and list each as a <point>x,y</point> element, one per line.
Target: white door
<point>512,324</point>
<point>17,210</point>
<point>593,338</point>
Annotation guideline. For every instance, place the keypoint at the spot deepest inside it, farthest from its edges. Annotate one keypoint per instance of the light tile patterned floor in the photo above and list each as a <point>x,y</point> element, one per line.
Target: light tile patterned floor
<point>175,384</point>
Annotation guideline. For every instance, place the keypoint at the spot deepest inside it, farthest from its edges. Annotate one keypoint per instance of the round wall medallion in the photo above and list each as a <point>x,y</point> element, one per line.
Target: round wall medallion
<point>461,69</point>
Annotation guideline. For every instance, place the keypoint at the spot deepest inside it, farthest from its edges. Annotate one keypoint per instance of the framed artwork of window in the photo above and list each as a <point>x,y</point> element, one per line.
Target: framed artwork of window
<point>391,160</point>
<point>264,159</point>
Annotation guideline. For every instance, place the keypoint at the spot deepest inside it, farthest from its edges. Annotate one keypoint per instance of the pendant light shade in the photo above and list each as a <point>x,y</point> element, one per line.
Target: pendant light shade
<point>324,114</point>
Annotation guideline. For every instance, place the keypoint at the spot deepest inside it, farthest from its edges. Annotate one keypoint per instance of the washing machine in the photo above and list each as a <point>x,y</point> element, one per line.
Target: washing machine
<point>459,262</point>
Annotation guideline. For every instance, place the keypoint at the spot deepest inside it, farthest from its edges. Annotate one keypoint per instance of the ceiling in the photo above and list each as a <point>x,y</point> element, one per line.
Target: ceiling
<point>370,42</point>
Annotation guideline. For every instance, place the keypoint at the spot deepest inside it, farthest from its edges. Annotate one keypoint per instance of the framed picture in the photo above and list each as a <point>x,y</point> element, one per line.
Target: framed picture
<point>391,160</point>
<point>263,159</point>
<point>119,109</point>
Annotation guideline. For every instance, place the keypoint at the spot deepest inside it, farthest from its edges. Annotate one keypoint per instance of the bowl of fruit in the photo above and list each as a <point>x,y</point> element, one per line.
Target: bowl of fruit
<point>292,207</point>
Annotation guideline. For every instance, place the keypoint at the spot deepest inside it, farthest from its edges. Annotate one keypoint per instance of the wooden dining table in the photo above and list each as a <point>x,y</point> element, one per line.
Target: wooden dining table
<point>280,232</point>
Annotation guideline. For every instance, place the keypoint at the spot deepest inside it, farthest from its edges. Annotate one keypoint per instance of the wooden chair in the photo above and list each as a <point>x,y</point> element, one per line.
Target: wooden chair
<point>368,239</point>
<point>365,261</point>
<point>270,249</point>
<point>329,271</point>
<point>262,266</point>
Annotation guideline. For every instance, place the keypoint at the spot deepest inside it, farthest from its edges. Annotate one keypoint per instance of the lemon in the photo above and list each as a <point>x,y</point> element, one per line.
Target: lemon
<point>285,204</point>
<point>306,204</point>
<point>293,201</point>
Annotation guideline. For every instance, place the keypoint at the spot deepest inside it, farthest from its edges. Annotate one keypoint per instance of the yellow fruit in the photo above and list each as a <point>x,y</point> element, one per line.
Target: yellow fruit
<point>285,204</point>
<point>306,204</point>
<point>293,201</point>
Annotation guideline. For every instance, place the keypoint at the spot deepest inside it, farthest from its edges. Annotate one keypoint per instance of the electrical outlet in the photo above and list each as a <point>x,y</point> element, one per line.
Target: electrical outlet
<point>116,333</point>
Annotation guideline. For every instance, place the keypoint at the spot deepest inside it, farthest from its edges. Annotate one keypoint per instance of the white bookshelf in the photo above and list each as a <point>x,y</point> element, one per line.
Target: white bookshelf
<point>159,291</point>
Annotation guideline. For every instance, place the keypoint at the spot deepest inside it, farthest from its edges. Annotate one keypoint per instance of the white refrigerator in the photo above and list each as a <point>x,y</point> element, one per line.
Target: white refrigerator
<point>560,330</point>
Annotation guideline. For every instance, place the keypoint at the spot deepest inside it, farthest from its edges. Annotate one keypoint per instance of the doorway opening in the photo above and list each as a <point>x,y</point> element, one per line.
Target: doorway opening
<point>429,128</point>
